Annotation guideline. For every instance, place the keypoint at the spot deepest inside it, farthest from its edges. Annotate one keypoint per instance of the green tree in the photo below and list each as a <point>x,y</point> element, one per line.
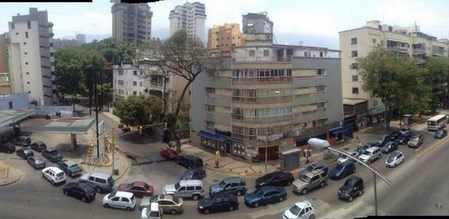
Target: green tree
<point>436,75</point>
<point>139,110</point>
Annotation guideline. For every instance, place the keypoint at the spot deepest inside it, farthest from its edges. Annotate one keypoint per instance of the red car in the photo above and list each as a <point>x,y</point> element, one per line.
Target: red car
<point>138,188</point>
<point>169,154</point>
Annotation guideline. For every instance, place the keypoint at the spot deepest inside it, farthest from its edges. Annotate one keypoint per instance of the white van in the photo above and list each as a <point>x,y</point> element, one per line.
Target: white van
<point>124,200</point>
<point>186,189</point>
<point>152,212</point>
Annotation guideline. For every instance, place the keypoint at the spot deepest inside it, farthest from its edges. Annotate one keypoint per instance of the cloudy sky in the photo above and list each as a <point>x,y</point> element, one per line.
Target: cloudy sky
<point>314,22</point>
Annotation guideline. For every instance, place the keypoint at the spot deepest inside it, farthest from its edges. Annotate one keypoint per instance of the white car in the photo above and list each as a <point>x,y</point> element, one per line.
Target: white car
<point>371,154</point>
<point>124,200</point>
<point>343,158</point>
<point>152,212</point>
<point>395,159</point>
<point>300,210</point>
<point>54,175</point>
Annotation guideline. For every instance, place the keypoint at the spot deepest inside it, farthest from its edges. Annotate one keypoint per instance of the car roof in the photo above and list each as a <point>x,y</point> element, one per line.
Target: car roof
<point>154,206</point>
<point>69,162</point>
<point>100,174</point>
<point>372,148</point>
<point>395,153</point>
<point>166,197</point>
<point>138,183</point>
<point>303,204</point>
<point>124,194</point>
<point>55,169</point>
<point>233,179</point>
<point>269,188</point>
<point>190,182</point>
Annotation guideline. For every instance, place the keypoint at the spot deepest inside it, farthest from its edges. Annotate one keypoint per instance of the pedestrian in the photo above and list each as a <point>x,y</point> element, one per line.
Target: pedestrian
<point>359,146</point>
<point>217,159</point>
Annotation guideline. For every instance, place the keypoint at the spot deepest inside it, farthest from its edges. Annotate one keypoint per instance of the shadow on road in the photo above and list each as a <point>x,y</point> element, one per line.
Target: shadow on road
<point>136,138</point>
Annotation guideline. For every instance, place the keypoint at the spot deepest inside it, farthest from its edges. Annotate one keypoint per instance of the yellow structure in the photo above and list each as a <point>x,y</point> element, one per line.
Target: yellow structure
<point>222,37</point>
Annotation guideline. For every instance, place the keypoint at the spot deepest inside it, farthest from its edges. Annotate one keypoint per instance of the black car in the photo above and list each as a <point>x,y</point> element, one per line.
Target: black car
<point>22,141</point>
<point>196,173</point>
<point>395,136</point>
<point>38,146</point>
<point>25,152</point>
<point>389,147</point>
<point>189,161</point>
<point>36,161</point>
<point>403,139</point>
<point>342,170</point>
<point>219,203</point>
<point>276,178</point>
<point>7,148</point>
<point>80,190</point>
<point>70,168</point>
<point>314,166</point>
<point>52,155</point>
<point>440,133</point>
<point>353,187</point>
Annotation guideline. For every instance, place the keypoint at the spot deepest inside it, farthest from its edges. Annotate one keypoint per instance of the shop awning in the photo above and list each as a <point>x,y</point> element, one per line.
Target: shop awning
<point>337,130</point>
<point>213,136</point>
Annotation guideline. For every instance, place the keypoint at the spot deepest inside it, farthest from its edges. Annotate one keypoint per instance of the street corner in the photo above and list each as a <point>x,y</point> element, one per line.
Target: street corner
<point>8,175</point>
<point>118,168</point>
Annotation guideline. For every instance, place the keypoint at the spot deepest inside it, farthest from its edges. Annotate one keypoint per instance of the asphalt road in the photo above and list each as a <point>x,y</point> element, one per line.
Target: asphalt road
<point>418,184</point>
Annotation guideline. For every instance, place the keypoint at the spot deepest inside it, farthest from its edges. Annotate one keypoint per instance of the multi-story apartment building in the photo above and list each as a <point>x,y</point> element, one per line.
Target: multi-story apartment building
<point>190,17</point>
<point>257,23</point>
<point>267,96</point>
<point>31,60</point>
<point>359,42</point>
<point>81,38</point>
<point>221,38</point>
<point>131,23</point>
<point>128,80</point>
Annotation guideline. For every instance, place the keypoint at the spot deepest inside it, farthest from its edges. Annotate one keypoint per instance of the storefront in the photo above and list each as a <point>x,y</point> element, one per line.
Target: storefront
<point>215,141</point>
<point>377,114</point>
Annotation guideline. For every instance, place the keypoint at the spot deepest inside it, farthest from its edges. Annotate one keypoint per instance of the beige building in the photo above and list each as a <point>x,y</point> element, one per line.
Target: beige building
<point>358,42</point>
<point>222,37</point>
<point>131,22</point>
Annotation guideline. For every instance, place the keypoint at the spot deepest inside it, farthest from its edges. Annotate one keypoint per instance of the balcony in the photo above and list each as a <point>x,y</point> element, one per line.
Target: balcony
<point>242,119</point>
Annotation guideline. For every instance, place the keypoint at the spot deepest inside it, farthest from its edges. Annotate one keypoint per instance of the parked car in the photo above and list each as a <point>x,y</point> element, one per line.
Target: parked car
<point>371,154</point>
<point>169,153</point>
<point>36,161</point>
<point>38,146</point>
<point>403,139</point>
<point>300,210</point>
<point>54,175</point>
<point>353,187</point>
<point>7,148</point>
<point>153,211</point>
<point>389,147</point>
<point>195,173</point>
<point>123,200</point>
<point>314,166</point>
<point>384,138</point>
<point>310,181</point>
<point>189,161</point>
<point>102,182</point>
<point>342,170</point>
<point>231,185</point>
<point>440,133</point>
<point>186,189</point>
<point>168,203</point>
<point>138,188</point>
<point>52,155</point>
<point>276,178</point>
<point>395,159</point>
<point>70,168</point>
<point>80,190</point>
<point>265,195</point>
<point>363,148</point>
<point>218,203</point>
<point>416,141</point>
<point>22,141</point>
<point>406,131</point>
<point>343,158</point>
<point>395,136</point>
<point>24,152</point>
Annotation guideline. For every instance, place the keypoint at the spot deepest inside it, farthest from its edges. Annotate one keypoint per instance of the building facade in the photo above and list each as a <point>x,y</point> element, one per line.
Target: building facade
<point>358,42</point>
<point>221,38</point>
<point>257,23</point>
<point>128,81</point>
<point>31,60</point>
<point>81,38</point>
<point>190,17</point>
<point>131,23</point>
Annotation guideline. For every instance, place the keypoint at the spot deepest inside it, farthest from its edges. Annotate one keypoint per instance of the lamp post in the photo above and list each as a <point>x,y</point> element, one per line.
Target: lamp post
<point>267,130</point>
<point>323,145</point>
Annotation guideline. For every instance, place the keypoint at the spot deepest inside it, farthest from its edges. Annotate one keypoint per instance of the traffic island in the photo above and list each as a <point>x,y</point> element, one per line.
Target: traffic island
<point>117,169</point>
<point>8,175</point>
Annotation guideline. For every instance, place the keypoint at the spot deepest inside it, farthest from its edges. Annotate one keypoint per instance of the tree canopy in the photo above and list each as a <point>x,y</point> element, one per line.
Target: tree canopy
<point>139,110</point>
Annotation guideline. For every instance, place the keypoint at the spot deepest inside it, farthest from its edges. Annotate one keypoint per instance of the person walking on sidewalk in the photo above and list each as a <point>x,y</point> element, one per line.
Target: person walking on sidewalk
<point>217,159</point>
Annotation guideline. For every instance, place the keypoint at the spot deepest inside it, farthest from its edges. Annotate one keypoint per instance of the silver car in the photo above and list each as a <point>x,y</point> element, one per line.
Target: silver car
<point>309,181</point>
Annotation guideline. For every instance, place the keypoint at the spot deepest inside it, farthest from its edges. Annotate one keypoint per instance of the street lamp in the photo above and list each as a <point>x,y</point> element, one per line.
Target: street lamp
<point>323,145</point>
<point>267,132</point>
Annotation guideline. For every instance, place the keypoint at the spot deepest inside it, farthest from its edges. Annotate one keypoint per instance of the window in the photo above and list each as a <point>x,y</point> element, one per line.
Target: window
<point>120,82</point>
<point>26,63</point>
<point>29,24</point>
<point>100,180</point>
<point>266,52</point>
<point>354,53</point>
<point>354,41</point>
<point>252,53</point>
<point>210,90</point>
<point>12,25</point>
<point>355,90</point>
<point>354,66</point>
<point>375,102</point>
<point>17,33</point>
<point>125,199</point>
<point>140,83</point>
<point>320,72</point>
<point>28,82</point>
<point>374,41</point>
<point>190,188</point>
<point>135,93</point>
<point>28,73</point>
<point>116,199</point>
<point>135,72</point>
<point>26,34</point>
<point>26,53</point>
<point>355,78</point>
<point>321,89</point>
<point>134,83</point>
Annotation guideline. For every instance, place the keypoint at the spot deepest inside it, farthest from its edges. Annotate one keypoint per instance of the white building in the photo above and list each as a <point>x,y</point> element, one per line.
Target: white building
<point>127,81</point>
<point>31,60</point>
<point>190,17</point>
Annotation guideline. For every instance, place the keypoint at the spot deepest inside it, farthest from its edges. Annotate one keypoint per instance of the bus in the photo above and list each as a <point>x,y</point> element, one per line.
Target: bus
<point>436,122</point>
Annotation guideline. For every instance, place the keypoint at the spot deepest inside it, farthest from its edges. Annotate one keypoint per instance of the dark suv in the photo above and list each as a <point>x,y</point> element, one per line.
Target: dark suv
<point>22,141</point>
<point>80,190</point>
<point>223,202</point>
<point>232,185</point>
<point>52,155</point>
<point>342,170</point>
<point>7,148</point>
<point>276,178</point>
<point>195,173</point>
<point>353,187</point>
<point>38,146</point>
<point>189,161</point>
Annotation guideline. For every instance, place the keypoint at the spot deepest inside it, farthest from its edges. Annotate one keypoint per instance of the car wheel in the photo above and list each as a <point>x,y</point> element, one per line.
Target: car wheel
<point>312,216</point>
<point>206,211</point>
<point>289,183</point>
<point>84,199</point>
<point>66,193</point>
<point>350,199</point>
<point>322,184</point>
<point>369,162</point>
<point>360,192</point>
<point>173,211</point>
<point>98,189</point>
<point>129,208</point>
<point>281,199</point>
<point>231,208</point>
<point>195,197</point>
<point>238,193</point>
<point>52,182</point>
<point>256,204</point>
<point>304,191</point>
<point>106,205</point>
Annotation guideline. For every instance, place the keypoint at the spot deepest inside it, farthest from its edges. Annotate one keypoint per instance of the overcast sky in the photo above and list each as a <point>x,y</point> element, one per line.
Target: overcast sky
<point>320,19</point>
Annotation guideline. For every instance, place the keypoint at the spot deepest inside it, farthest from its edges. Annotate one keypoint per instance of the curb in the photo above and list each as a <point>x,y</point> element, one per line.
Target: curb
<point>13,181</point>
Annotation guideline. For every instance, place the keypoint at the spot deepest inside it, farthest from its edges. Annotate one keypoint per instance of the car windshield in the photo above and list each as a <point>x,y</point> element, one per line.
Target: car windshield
<point>147,187</point>
<point>60,174</point>
<point>295,210</point>
<point>343,156</point>
<point>304,178</point>
<point>111,195</point>
<point>339,167</point>
<point>367,153</point>
<point>440,132</point>
<point>310,168</point>
<point>222,184</point>
<point>177,186</point>
<point>258,193</point>
<point>176,199</point>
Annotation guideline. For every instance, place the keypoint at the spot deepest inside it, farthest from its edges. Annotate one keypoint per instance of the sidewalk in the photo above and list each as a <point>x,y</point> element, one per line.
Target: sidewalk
<point>8,174</point>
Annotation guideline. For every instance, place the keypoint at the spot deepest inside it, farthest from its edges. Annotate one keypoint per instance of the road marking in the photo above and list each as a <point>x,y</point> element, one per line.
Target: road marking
<point>433,146</point>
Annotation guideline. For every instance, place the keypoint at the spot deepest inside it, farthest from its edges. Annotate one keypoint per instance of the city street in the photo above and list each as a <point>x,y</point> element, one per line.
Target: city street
<point>420,178</point>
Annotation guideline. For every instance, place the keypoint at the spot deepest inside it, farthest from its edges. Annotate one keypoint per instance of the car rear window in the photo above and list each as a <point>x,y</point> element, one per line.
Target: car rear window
<point>60,174</point>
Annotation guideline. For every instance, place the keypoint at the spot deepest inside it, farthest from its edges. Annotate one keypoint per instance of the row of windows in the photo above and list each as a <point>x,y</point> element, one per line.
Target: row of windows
<point>252,52</point>
<point>238,130</point>
<point>262,113</point>
<point>13,26</point>
<point>121,82</point>
<point>261,92</point>
<point>261,73</point>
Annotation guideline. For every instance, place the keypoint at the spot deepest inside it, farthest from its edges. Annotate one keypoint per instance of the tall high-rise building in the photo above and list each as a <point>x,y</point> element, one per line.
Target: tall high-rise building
<point>358,42</point>
<point>190,17</point>
<point>81,38</point>
<point>131,23</point>
<point>31,60</point>
<point>222,37</point>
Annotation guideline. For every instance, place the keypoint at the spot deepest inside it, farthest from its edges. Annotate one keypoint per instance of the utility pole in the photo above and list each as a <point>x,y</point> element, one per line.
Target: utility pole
<point>96,115</point>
